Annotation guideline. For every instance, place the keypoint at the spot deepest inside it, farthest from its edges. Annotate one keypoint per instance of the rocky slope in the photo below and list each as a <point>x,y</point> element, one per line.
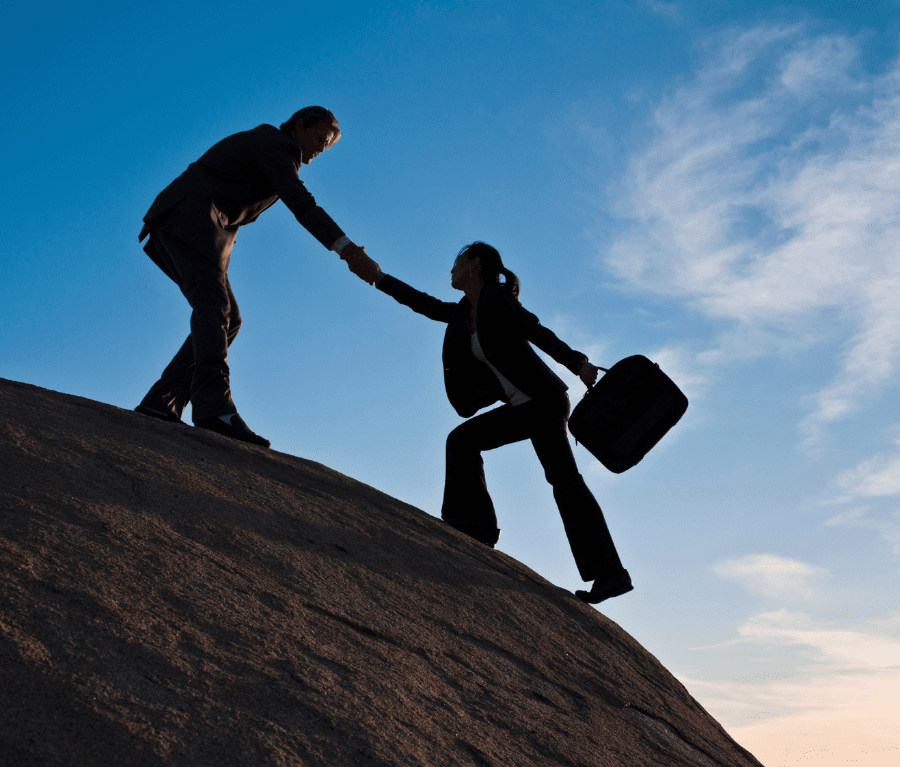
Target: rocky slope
<point>172,597</point>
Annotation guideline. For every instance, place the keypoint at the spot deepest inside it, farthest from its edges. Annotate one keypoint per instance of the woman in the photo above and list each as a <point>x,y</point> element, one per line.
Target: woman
<point>487,357</point>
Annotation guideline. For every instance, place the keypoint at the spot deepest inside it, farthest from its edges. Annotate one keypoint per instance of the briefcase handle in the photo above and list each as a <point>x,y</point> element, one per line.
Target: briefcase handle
<point>605,370</point>
<point>591,386</point>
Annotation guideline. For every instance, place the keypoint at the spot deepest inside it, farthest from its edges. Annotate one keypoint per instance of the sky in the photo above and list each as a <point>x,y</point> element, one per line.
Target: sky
<point>711,184</point>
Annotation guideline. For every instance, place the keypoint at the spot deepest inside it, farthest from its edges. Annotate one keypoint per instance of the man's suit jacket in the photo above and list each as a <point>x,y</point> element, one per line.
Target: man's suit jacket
<point>229,186</point>
<point>505,328</point>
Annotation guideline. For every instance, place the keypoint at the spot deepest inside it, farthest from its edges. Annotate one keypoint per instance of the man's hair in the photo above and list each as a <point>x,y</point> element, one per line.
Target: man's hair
<point>310,116</point>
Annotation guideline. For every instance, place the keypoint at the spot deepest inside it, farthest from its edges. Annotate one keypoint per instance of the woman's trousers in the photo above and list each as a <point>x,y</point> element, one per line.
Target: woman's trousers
<point>468,505</point>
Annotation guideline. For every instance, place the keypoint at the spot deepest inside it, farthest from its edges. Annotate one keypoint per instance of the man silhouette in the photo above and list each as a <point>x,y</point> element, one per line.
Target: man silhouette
<point>192,226</point>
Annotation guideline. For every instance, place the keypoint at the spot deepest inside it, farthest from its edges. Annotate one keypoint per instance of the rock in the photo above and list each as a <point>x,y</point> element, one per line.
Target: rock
<point>173,597</point>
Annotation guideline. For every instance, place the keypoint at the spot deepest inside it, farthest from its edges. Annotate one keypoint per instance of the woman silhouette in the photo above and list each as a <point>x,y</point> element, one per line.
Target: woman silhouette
<point>487,357</point>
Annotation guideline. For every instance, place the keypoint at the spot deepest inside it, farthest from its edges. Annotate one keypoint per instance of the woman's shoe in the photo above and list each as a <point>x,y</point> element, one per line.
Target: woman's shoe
<point>606,588</point>
<point>481,533</point>
<point>232,426</point>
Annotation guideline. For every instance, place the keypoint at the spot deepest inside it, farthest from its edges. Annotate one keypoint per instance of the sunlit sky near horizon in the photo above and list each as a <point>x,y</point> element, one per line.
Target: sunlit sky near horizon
<point>711,184</point>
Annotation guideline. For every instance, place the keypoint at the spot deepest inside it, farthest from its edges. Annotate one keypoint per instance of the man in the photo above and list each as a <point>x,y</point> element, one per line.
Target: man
<point>192,226</point>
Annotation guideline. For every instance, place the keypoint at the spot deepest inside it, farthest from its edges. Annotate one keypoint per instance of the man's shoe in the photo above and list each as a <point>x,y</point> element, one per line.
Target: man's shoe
<point>171,417</point>
<point>232,426</point>
<point>606,588</point>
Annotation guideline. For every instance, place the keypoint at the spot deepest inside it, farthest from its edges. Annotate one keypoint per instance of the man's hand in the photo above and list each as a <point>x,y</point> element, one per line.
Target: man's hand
<point>588,373</point>
<point>366,269</point>
<point>351,250</point>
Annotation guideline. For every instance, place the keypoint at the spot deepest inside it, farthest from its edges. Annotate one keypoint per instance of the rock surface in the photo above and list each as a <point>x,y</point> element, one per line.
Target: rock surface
<point>172,597</point>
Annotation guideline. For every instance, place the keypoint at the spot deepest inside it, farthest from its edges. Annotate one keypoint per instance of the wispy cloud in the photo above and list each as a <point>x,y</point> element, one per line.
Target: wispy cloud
<point>832,648</point>
<point>773,577</point>
<point>578,336</point>
<point>670,11</point>
<point>768,199</point>
<point>875,481</point>
<point>677,362</point>
<point>816,65</point>
<point>887,525</point>
<point>839,706</point>
<point>875,477</point>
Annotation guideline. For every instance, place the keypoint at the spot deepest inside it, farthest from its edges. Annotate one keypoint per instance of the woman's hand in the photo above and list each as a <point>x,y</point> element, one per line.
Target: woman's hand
<point>365,268</point>
<point>351,250</point>
<point>588,373</point>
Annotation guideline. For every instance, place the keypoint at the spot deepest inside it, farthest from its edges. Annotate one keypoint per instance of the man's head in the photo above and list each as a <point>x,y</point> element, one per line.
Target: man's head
<point>315,129</point>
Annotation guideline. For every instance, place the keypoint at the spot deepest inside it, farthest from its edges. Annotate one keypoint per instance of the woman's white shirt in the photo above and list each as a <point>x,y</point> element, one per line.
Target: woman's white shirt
<point>516,397</point>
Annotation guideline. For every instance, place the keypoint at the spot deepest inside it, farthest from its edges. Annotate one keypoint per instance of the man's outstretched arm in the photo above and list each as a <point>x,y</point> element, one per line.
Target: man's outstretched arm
<point>280,167</point>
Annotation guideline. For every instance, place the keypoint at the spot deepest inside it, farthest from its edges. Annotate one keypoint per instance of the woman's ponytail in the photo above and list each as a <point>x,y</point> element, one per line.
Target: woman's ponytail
<point>491,265</point>
<point>512,282</point>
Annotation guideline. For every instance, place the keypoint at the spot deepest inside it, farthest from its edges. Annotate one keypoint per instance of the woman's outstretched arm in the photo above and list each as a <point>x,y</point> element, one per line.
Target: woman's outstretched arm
<point>422,303</point>
<point>419,302</point>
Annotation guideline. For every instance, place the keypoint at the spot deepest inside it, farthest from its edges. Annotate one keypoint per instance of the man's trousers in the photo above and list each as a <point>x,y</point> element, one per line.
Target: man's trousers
<point>468,504</point>
<point>199,371</point>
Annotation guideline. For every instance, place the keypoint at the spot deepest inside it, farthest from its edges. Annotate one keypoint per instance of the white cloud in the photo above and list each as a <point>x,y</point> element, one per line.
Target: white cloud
<point>679,365</point>
<point>768,198</point>
<point>877,476</point>
<point>836,649</point>
<point>817,64</point>
<point>570,330</point>
<point>668,10</point>
<point>891,623</point>
<point>839,707</point>
<point>888,527</point>
<point>871,358</point>
<point>874,479</point>
<point>773,577</point>
<point>676,362</point>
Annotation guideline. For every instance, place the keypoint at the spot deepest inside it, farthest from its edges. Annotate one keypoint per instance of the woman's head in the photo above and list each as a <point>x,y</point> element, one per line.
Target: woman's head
<point>482,262</point>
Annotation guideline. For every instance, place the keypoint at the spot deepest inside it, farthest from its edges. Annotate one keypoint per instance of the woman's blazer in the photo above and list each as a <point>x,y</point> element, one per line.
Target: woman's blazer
<point>505,329</point>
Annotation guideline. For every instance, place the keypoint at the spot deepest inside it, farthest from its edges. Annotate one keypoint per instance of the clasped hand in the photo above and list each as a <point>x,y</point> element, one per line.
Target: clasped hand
<point>360,264</point>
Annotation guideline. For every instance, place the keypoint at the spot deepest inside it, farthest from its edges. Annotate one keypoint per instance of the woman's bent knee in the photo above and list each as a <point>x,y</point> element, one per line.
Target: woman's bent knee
<point>564,477</point>
<point>456,439</point>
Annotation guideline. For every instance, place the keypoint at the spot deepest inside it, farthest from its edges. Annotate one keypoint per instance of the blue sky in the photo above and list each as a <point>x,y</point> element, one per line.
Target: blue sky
<point>711,184</point>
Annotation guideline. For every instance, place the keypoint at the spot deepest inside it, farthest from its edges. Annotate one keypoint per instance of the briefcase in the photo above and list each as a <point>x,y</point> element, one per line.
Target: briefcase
<point>623,415</point>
